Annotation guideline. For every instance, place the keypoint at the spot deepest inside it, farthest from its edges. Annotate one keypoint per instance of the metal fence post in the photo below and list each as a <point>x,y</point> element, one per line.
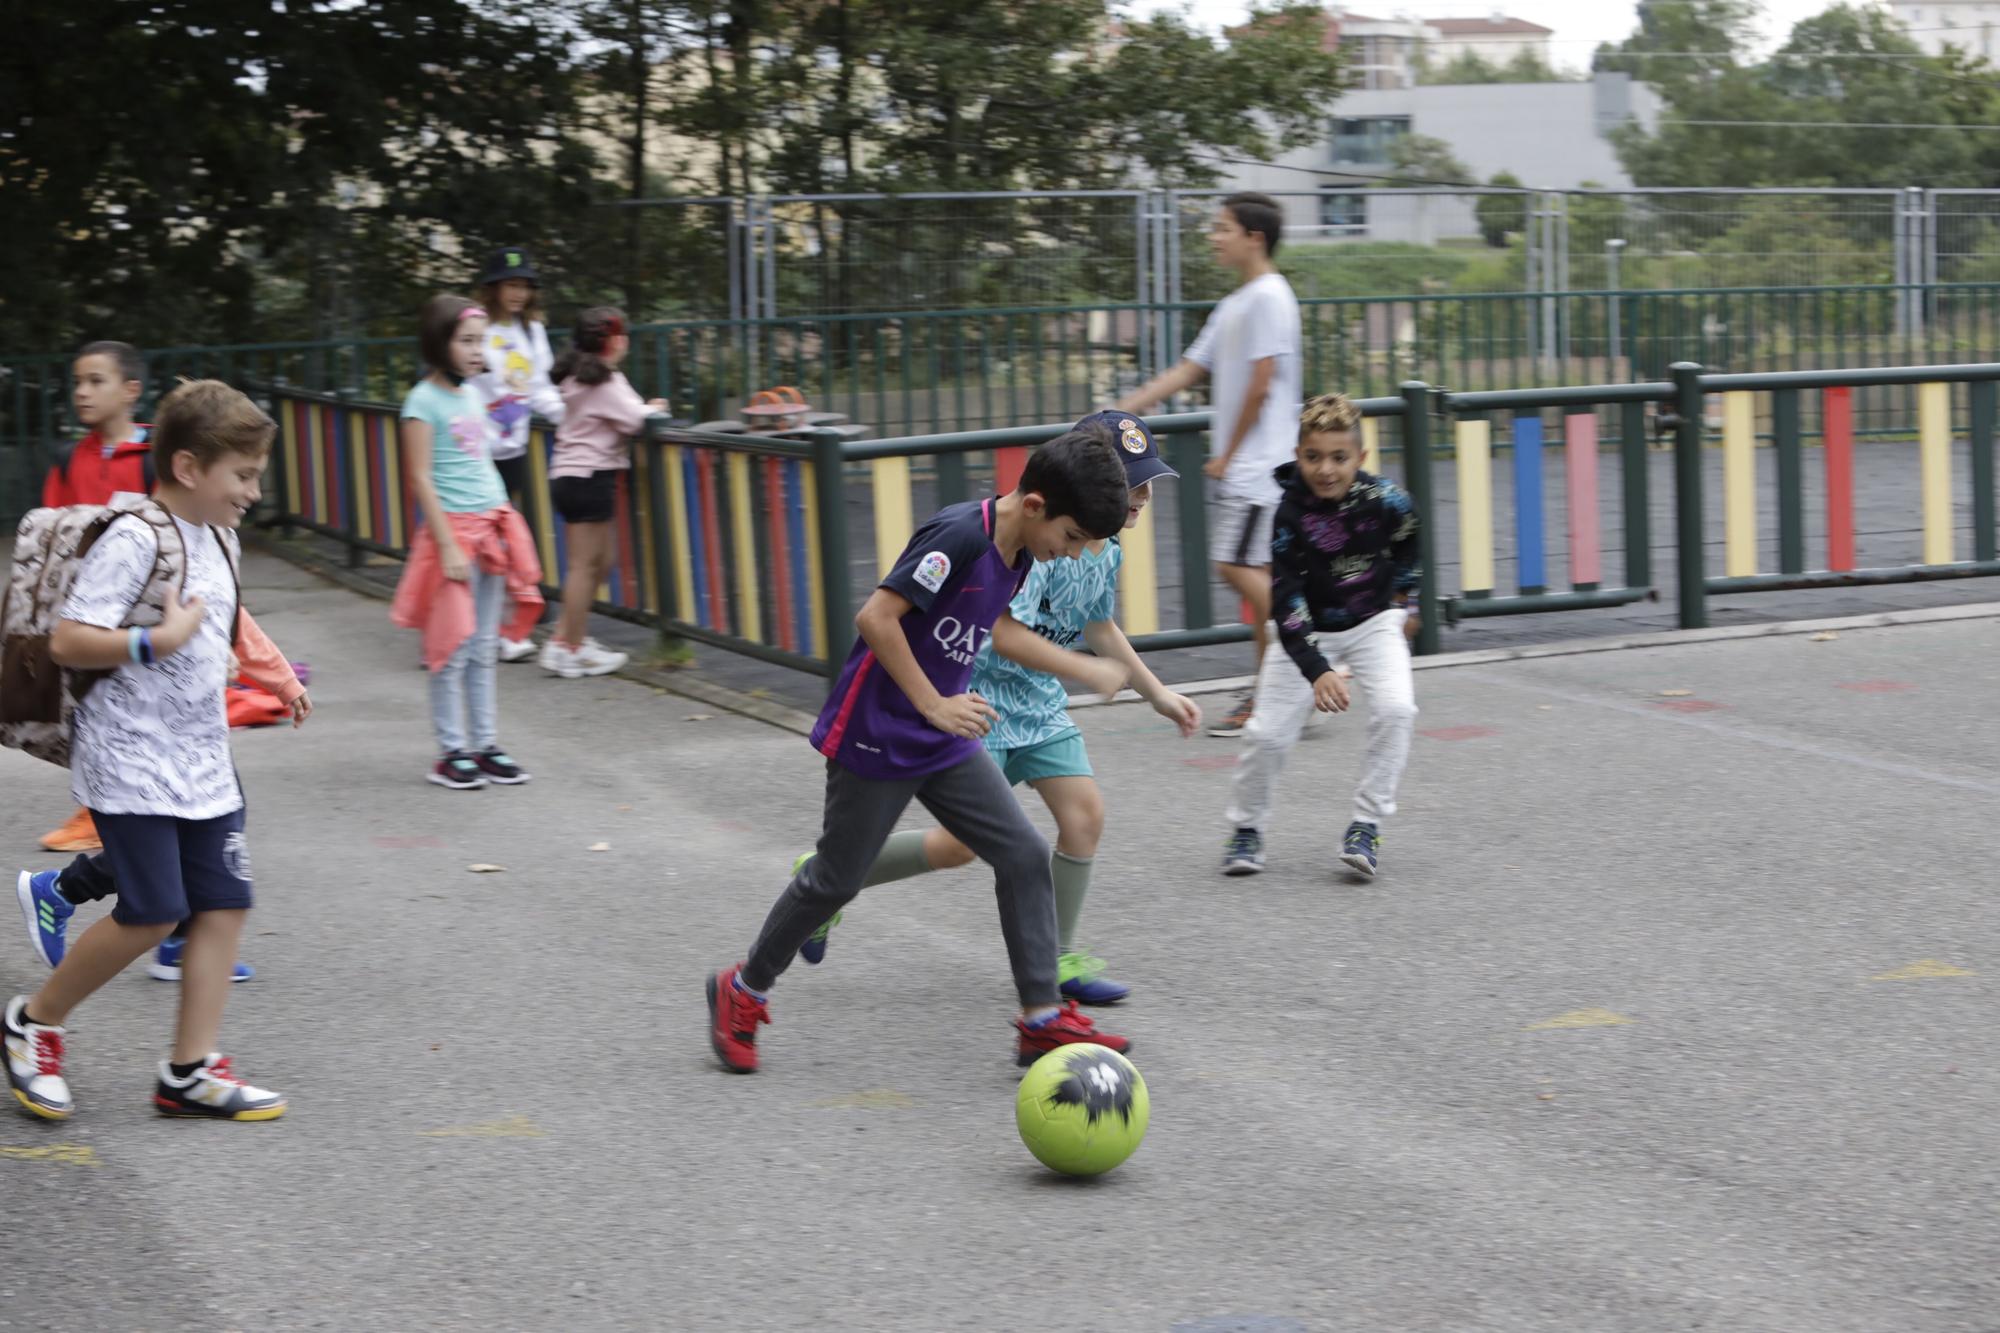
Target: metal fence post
<point>1417,476</point>
<point>1691,569</point>
<point>830,495</point>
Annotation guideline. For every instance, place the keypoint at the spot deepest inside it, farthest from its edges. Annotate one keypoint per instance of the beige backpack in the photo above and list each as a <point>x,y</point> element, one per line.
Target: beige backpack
<point>37,697</point>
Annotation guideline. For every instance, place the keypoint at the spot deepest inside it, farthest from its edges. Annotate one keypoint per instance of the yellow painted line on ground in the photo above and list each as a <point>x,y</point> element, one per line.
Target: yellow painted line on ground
<point>1922,969</point>
<point>1934,462</point>
<point>1580,1018</point>
<point>1739,484</point>
<point>513,1127</point>
<point>61,1154</point>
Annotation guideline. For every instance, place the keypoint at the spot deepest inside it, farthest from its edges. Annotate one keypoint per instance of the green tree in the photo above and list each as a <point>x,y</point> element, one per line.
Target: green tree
<point>1420,159</point>
<point>1501,215</point>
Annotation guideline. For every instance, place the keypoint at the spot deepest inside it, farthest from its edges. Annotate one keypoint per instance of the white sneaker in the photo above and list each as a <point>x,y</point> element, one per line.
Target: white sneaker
<point>212,1092</point>
<point>558,660</point>
<point>594,659</point>
<point>34,1056</point>
<point>516,650</point>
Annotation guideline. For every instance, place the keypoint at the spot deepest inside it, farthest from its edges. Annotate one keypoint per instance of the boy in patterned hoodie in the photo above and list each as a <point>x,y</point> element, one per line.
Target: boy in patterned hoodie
<point>1344,564</point>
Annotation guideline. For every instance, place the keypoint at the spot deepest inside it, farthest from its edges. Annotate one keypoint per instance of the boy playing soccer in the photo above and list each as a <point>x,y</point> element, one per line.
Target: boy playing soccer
<point>901,725</point>
<point>150,759</point>
<point>1249,350</point>
<point>1034,741</point>
<point>1344,560</point>
<point>105,383</point>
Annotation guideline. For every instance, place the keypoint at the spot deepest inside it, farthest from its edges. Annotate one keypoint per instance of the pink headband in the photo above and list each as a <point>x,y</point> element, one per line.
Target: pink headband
<point>469,312</point>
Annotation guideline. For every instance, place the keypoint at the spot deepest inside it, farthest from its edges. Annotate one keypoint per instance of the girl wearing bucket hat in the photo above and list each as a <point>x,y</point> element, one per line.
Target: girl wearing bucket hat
<point>515,386</point>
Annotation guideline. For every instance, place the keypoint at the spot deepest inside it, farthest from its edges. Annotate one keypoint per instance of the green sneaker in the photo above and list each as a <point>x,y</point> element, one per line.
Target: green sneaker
<point>1083,980</point>
<point>814,949</point>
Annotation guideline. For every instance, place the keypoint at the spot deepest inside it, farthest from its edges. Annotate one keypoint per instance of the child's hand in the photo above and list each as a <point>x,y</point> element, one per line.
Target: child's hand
<point>452,559</point>
<point>1102,676</point>
<point>1180,710</point>
<point>302,708</point>
<point>965,715</point>
<point>1412,623</point>
<point>178,625</point>
<point>1330,693</point>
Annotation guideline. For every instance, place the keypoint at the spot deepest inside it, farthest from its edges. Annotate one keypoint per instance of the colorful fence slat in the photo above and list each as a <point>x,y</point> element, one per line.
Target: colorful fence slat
<point>749,613</point>
<point>890,478</point>
<point>1138,576</point>
<point>1371,446</point>
<point>1739,484</point>
<point>1837,409</point>
<point>1934,465</point>
<point>1473,439</point>
<point>1586,555</point>
<point>1530,539</point>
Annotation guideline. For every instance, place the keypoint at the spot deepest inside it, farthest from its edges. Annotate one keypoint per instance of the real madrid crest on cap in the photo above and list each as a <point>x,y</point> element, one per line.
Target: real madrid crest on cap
<point>1131,436</point>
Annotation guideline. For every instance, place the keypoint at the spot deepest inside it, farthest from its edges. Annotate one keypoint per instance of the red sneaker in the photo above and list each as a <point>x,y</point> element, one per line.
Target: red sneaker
<point>732,1022</point>
<point>1067,1028</point>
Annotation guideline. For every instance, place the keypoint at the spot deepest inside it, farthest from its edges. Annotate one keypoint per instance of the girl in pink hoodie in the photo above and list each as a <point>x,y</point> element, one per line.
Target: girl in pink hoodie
<point>601,412</point>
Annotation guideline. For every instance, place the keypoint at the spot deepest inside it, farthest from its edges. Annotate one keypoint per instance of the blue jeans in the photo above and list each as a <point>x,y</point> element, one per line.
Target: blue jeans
<point>465,689</point>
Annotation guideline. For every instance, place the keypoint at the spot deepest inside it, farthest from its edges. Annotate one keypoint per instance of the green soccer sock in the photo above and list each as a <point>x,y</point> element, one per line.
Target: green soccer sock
<point>900,858</point>
<point>1072,877</point>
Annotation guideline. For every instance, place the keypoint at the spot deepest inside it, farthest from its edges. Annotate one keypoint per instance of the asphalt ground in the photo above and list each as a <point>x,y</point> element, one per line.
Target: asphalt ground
<point>1671,1008</point>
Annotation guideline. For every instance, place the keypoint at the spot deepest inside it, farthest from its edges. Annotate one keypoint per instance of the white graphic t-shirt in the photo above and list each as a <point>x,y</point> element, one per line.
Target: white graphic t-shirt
<point>1260,319</point>
<point>154,740</point>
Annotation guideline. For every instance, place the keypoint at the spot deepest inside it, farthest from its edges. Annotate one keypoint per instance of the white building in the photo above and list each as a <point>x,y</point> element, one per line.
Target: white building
<point>1549,135</point>
<point>1496,39</point>
<point>1971,25</point>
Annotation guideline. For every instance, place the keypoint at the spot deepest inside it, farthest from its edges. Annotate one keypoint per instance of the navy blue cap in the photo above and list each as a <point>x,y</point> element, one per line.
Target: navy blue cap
<point>1136,446</point>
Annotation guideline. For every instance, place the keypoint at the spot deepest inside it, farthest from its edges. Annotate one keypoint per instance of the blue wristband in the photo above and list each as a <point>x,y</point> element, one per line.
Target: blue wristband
<point>142,646</point>
<point>132,644</point>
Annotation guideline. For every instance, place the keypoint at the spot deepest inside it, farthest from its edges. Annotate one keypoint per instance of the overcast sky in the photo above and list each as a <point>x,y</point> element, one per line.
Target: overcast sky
<point>1579,24</point>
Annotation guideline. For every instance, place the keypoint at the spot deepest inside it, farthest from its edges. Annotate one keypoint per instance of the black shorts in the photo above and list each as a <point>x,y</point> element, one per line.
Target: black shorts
<point>169,869</point>
<point>591,499</point>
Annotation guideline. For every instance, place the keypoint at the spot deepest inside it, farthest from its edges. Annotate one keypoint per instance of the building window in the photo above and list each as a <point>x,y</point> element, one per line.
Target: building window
<point>1343,214</point>
<point>1367,139</point>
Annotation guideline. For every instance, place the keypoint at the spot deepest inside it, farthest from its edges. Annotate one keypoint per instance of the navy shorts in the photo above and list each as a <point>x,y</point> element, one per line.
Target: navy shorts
<point>169,869</point>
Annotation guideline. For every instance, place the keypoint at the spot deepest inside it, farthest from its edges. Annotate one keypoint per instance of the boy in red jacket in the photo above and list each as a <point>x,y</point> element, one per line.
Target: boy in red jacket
<point>105,384</point>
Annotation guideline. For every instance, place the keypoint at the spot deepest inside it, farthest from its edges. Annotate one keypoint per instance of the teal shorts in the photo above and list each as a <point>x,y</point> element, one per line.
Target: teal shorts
<point>1057,757</point>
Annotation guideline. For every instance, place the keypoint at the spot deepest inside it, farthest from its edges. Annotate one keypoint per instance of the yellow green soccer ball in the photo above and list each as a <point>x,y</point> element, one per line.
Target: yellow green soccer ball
<point>1082,1109</point>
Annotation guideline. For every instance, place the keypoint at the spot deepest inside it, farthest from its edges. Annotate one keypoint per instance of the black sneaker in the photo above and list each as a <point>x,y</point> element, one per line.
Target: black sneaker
<point>1245,853</point>
<point>499,767</point>
<point>458,771</point>
<point>212,1092</point>
<point>1361,849</point>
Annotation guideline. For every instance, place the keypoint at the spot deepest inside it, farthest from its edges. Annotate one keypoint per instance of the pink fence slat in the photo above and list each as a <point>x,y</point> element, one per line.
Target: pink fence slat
<point>1586,564</point>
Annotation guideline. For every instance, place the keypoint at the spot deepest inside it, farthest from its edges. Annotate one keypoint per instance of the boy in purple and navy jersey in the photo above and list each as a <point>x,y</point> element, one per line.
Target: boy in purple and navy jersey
<point>901,725</point>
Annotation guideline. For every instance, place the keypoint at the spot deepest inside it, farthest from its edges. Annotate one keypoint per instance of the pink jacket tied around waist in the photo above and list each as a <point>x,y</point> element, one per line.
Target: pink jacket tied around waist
<point>498,542</point>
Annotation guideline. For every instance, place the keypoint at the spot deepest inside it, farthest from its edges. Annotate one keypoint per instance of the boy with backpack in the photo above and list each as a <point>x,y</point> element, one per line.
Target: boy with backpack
<point>118,668</point>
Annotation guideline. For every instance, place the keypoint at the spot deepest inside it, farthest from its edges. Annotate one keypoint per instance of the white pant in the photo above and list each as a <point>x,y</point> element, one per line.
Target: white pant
<point>1379,657</point>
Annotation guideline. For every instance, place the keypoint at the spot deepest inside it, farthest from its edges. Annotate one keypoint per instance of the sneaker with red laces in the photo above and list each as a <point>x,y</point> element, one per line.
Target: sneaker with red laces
<point>733,1016</point>
<point>33,1054</point>
<point>1067,1027</point>
<point>1237,719</point>
<point>213,1092</point>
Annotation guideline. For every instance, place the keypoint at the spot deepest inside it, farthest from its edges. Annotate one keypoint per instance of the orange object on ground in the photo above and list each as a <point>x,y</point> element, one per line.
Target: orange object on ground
<point>78,835</point>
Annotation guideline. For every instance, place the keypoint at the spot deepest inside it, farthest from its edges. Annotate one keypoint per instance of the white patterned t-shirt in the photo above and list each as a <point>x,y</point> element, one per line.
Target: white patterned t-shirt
<point>1058,600</point>
<point>154,740</point>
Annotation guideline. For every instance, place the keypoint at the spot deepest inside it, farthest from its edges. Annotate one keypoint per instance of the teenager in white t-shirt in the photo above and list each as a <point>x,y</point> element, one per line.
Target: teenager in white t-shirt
<point>1249,351</point>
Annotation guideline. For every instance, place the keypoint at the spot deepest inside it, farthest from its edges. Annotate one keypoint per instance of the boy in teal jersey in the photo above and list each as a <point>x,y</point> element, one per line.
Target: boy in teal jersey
<point>1034,740</point>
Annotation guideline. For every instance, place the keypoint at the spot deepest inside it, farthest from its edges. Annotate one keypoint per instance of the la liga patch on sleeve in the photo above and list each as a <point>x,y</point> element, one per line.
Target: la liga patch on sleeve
<point>933,570</point>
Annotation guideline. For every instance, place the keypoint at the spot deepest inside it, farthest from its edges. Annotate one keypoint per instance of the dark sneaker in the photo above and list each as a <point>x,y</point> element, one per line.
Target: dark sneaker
<point>212,1092</point>
<point>166,964</point>
<point>1361,849</point>
<point>1066,1027</point>
<point>1245,853</point>
<point>47,913</point>
<point>458,771</point>
<point>1238,718</point>
<point>814,949</point>
<point>34,1058</point>
<point>1083,980</point>
<point>499,766</point>
<point>733,1016</point>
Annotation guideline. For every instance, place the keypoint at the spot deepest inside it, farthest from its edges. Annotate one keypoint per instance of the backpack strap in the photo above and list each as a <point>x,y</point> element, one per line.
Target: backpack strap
<point>236,581</point>
<point>149,470</point>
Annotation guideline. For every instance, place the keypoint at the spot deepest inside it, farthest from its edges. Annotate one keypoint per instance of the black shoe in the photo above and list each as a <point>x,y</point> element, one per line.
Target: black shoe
<point>499,767</point>
<point>458,771</point>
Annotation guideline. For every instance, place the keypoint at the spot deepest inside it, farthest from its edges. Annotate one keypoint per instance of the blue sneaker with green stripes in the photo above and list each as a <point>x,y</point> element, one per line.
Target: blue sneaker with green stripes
<point>47,913</point>
<point>814,949</point>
